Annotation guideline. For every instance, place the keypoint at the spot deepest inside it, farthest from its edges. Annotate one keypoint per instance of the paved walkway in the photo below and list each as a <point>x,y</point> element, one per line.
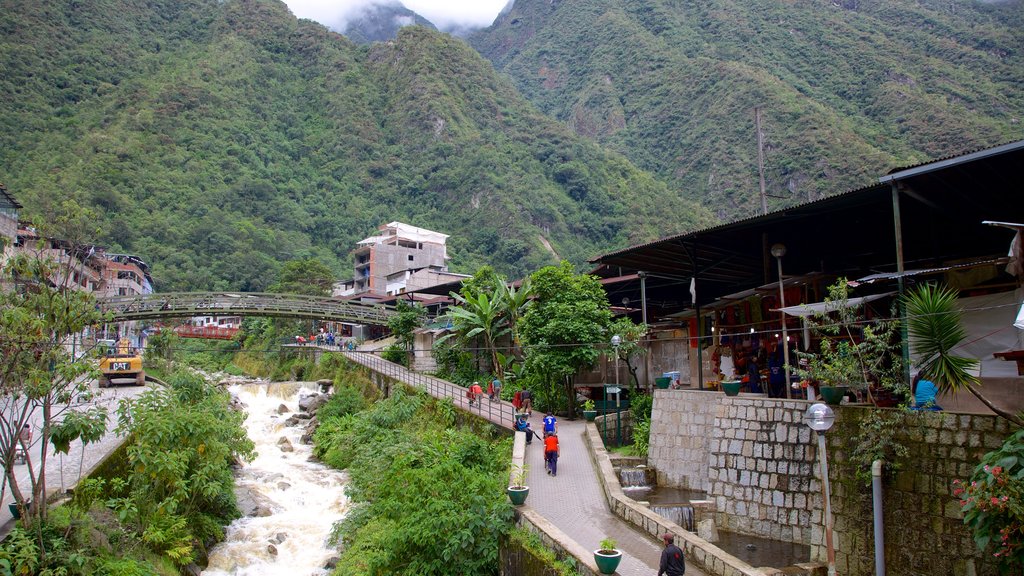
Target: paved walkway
<point>63,471</point>
<point>573,501</point>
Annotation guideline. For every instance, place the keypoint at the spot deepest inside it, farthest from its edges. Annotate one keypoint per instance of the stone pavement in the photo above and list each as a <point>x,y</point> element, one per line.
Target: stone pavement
<point>573,501</point>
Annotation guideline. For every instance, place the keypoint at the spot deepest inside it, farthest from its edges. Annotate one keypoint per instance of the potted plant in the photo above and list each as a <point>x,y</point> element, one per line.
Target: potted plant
<point>588,410</point>
<point>518,490</point>
<point>853,352</point>
<point>607,557</point>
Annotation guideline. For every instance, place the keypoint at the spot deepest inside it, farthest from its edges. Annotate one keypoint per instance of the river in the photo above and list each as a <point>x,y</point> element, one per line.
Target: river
<point>304,498</point>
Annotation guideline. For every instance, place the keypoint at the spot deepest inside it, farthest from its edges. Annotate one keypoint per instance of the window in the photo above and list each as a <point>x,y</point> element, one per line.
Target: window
<point>411,258</point>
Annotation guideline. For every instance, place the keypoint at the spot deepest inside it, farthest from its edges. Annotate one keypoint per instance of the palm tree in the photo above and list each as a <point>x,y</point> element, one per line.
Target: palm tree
<point>935,330</point>
<point>515,304</point>
<point>480,315</point>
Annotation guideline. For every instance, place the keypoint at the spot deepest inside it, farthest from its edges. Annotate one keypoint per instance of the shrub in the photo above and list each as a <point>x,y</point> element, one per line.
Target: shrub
<point>993,503</point>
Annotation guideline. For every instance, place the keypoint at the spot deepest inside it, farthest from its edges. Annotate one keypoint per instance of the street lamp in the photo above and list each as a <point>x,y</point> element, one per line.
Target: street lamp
<point>819,417</point>
<point>616,341</point>
<point>779,250</point>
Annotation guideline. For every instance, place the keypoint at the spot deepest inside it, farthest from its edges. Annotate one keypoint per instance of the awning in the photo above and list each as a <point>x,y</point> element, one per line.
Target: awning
<point>804,310</point>
<point>924,271</point>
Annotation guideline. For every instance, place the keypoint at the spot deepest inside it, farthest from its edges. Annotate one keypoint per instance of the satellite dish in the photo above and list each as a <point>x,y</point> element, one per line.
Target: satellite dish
<point>625,301</point>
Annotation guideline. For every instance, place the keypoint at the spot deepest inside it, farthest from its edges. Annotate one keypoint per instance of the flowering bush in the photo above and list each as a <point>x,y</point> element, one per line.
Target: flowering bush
<point>992,503</point>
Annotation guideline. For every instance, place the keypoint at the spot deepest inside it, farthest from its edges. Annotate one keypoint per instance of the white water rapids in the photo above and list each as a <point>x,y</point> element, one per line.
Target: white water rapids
<point>304,498</point>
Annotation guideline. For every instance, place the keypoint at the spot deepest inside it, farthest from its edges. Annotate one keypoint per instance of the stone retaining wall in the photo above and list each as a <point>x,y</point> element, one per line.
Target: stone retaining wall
<point>757,462</point>
<point>711,558</point>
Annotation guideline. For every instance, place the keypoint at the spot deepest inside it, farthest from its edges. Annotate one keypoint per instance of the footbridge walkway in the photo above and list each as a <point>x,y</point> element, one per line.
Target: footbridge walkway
<point>189,304</point>
<point>573,500</point>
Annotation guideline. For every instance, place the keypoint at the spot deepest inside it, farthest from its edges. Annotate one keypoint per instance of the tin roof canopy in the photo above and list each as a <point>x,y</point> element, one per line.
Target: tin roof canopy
<point>941,207</point>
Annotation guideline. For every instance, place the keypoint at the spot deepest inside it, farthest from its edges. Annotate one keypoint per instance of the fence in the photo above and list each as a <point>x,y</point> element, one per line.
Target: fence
<point>496,411</point>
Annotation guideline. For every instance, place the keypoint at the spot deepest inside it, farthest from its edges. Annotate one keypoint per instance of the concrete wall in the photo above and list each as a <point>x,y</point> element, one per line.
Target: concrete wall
<point>758,464</point>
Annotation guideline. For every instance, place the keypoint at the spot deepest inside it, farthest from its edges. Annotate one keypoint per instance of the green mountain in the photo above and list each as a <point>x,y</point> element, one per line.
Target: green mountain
<point>217,139</point>
<point>381,22</point>
<point>847,89</point>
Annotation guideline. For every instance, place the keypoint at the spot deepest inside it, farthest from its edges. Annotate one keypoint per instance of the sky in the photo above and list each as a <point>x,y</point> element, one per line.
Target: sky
<point>444,14</point>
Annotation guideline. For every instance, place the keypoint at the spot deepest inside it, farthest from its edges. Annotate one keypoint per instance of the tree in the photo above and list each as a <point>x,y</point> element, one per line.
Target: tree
<point>480,315</point>
<point>564,330</point>
<point>631,335</point>
<point>39,378</point>
<point>309,276</point>
<point>407,318</point>
<point>933,321</point>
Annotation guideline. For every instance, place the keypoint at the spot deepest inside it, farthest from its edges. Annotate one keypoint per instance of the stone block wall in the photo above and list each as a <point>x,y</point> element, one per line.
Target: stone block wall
<point>757,462</point>
<point>924,530</point>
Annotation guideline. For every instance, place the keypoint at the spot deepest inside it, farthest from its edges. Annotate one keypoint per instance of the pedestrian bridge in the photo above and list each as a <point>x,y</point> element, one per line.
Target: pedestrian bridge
<point>189,304</point>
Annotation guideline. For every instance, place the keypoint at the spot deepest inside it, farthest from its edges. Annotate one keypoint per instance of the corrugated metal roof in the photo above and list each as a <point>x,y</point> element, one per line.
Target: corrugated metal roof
<point>998,148</point>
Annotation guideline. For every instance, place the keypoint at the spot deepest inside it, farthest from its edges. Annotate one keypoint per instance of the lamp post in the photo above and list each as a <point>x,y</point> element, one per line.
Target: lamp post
<point>616,341</point>
<point>819,417</point>
<point>779,250</point>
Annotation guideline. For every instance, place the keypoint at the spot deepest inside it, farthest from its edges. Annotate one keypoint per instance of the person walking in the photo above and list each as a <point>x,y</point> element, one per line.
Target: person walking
<point>551,453</point>
<point>527,397</point>
<point>550,423</point>
<point>475,393</point>
<point>673,563</point>
<point>496,389</point>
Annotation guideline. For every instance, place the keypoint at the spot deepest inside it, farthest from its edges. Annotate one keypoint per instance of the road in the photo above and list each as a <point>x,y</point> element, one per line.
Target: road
<point>64,470</point>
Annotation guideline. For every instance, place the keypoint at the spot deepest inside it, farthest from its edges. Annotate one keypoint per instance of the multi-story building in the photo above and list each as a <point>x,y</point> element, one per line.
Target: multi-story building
<point>400,258</point>
<point>124,275</point>
<point>8,221</point>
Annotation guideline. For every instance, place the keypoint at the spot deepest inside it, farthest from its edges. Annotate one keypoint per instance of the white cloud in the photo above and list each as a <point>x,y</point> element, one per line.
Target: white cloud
<point>445,14</point>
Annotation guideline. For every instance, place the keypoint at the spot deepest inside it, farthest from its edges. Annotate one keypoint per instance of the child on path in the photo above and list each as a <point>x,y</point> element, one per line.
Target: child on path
<point>551,452</point>
<point>550,423</point>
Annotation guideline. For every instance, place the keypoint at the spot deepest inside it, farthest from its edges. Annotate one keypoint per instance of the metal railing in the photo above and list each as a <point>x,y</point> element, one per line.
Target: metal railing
<point>496,411</point>
<point>189,304</point>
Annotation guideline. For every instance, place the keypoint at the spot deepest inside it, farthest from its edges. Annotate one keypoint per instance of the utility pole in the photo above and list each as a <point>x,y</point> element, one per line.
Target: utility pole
<point>760,158</point>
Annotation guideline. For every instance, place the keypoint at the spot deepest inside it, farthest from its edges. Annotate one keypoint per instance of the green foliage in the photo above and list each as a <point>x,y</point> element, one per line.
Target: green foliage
<point>39,380</point>
<point>532,543</point>
<point>641,405</point>
<point>124,567</point>
<point>853,352</point>
<point>563,331</point>
<point>407,318</point>
<point>933,321</point>
<point>993,503</point>
<point>607,545</point>
<point>847,90</point>
<point>429,499</point>
<point>307,276</point>
<point>179,487</point>
<point>454,363</point>
<point>222,140</point>
<point>396,353</point>
<point>641,438</point>
<point>879,436</point>
<point>160,348</point>
<point>632,335</point>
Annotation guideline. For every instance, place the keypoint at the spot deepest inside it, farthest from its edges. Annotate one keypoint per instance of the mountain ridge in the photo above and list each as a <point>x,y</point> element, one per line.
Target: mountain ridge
<point>237,137</point>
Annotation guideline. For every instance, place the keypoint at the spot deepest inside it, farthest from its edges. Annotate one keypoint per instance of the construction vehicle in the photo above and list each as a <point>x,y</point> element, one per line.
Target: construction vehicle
<point>121,364</point>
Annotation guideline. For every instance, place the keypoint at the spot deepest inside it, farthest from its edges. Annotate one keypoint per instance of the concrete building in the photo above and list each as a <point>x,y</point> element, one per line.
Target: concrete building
<point>398,259</point>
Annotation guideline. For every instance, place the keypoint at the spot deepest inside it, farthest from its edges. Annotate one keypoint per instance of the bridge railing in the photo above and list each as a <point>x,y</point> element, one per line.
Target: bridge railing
<point>496,411</point>
<point>188,304</point>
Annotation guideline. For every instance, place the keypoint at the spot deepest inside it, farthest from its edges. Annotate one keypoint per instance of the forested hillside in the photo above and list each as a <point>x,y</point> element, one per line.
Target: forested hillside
<point>219,139</point>
<point>848,88</point>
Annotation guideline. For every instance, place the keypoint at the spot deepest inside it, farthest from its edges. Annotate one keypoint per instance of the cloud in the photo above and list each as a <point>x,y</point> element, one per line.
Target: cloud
<point>445,14</point>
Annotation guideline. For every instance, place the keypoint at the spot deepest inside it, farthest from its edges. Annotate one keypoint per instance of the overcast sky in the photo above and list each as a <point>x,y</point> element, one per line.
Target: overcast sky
<point>443,13</point>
